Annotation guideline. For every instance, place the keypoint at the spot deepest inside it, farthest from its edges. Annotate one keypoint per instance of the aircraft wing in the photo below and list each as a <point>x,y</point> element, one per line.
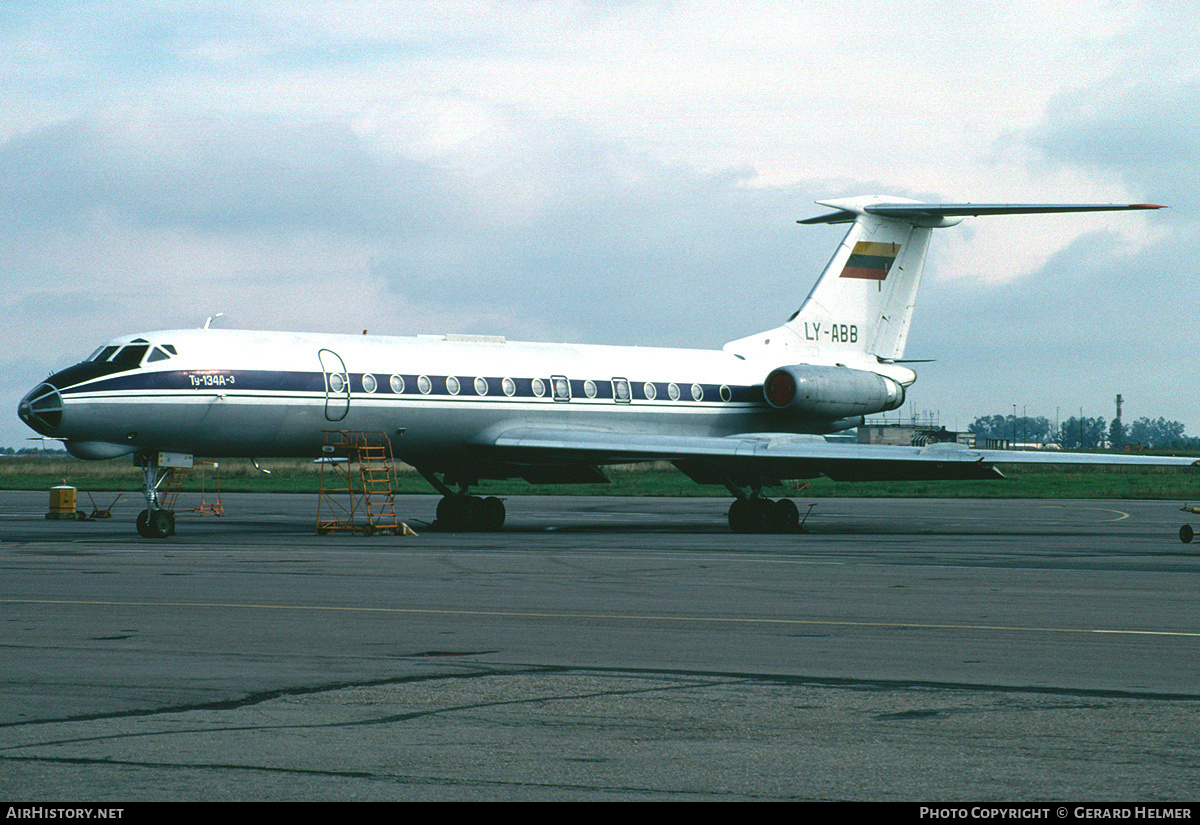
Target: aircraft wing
<point>759,457</point>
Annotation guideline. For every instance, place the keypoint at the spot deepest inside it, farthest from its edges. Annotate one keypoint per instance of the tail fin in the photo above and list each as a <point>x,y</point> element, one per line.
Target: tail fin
<point>863,302</point>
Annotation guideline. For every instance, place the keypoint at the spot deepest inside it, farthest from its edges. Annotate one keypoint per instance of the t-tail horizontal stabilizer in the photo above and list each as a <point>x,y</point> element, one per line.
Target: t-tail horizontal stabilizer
<point>858,313</point>
<point>850,208</point>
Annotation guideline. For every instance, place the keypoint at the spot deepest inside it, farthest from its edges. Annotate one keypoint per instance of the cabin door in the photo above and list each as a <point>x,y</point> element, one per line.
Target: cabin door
<point>337,385</point>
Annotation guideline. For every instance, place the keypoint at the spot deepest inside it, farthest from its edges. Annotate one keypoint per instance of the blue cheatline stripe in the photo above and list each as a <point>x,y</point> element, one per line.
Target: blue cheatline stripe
<point>246,382</point>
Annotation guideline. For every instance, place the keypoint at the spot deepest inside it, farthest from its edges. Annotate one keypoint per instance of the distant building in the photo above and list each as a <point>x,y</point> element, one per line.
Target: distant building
<point>915,433</point>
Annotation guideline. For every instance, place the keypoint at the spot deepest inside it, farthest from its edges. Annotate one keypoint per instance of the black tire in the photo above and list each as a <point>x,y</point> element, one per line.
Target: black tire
<point>471,513</point>
<point>160,524</point>
<point>785,516</point>
<point>457,513</point>
<point>491,514</point>
<point>143,524</point>
<point>760,515</point>
<point>1186,533</point>
<point>448,510</point>
<point>739,516</point>
<point>751,515</point>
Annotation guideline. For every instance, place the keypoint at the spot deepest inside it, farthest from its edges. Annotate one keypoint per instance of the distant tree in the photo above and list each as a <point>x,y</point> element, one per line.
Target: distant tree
<point>1083,433</point>
<point>1157,433</point>
<point>1022,428</point>
<point>1116,434</point>
<point>991,426</point>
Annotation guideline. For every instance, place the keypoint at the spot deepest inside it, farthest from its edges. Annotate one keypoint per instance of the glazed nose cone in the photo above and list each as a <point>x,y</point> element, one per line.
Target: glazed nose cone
<point>42,408</point>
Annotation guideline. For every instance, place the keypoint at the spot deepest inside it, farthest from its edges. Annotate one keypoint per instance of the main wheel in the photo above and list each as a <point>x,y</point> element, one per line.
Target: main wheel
<point>491,514</point>
<point>457,513</point>
<point>753,515</point>
<point>470,513</point>
<point>785,516</point>
<point>739,516</point>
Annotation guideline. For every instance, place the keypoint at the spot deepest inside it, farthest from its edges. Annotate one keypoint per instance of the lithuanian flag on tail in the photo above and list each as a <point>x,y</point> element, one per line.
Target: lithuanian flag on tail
<point>870,261</point>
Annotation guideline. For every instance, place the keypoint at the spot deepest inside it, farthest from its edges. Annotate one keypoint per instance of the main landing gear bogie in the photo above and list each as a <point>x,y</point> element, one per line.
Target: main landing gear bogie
<point>464,513</point>
<point>762,515</point>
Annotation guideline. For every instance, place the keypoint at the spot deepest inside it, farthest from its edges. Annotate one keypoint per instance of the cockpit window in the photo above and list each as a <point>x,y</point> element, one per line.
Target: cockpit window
<point>130,356</point>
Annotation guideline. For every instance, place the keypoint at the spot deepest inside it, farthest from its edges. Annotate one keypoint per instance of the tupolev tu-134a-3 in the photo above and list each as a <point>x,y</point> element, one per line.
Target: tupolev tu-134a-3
<point>465,408</point>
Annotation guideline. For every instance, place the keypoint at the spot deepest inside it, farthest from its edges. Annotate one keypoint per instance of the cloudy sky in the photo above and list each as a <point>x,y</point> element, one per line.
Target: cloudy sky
<point>605,172</point>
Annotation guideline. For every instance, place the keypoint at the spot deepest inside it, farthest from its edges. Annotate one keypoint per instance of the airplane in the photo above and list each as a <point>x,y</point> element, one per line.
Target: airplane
<point>460,408</point>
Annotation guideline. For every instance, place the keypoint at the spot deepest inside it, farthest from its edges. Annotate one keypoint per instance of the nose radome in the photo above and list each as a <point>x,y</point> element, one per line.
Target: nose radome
<point>42,408</point>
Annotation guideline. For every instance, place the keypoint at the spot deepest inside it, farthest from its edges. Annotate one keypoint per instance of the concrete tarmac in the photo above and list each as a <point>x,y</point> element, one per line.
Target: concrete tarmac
<point>604,649</point>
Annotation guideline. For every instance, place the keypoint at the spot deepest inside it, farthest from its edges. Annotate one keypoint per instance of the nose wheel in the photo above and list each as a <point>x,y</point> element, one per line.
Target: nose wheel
<point>156,524</point>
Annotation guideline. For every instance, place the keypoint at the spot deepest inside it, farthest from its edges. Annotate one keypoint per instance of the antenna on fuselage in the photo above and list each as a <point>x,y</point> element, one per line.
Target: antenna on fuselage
<point>211,318</point>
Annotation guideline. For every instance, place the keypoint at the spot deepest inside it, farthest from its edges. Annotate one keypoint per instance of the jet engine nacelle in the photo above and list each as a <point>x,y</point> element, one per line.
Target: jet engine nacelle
<point>831,392</point>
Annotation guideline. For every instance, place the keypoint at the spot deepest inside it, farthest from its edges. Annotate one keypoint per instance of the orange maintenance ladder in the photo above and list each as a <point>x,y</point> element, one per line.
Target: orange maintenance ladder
<point>356,485</point>
<point>173,485</point>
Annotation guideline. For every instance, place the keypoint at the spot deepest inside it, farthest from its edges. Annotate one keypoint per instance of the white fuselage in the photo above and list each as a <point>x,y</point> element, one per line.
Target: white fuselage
<point>246,393</point>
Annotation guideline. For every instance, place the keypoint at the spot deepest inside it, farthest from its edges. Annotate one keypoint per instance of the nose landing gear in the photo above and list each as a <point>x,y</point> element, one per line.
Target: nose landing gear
<point>154,522</point>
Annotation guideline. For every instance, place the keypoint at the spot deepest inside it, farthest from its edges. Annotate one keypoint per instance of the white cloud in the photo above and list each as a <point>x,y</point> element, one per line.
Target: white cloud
<point>615,172</point>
